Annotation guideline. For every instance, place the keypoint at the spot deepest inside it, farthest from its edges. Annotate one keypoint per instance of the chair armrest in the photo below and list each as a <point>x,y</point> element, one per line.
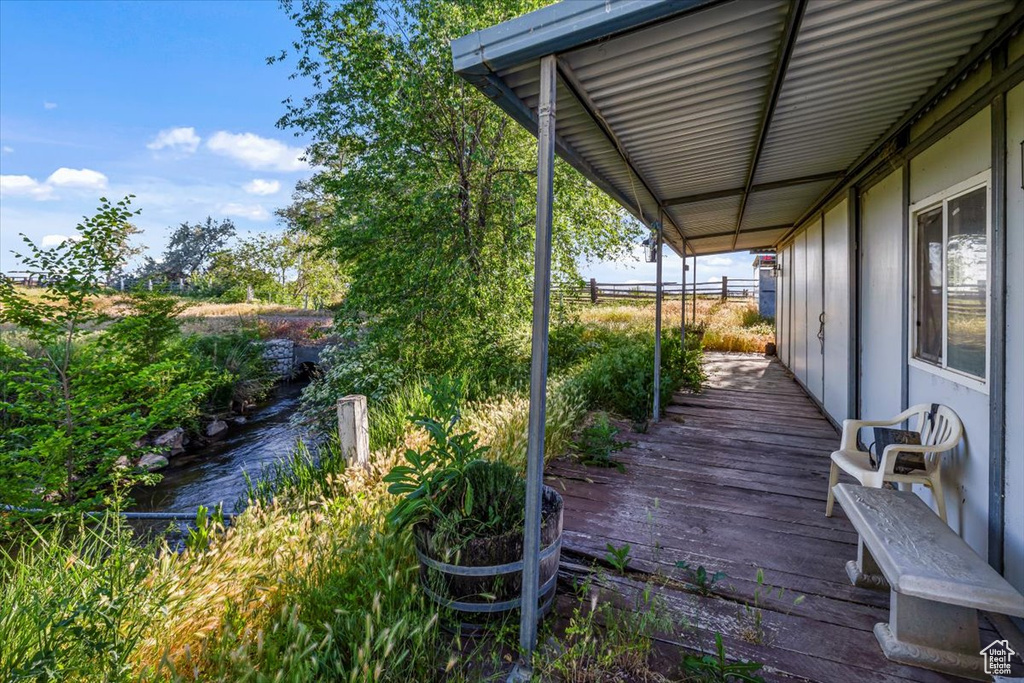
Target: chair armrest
<point>852,427</point>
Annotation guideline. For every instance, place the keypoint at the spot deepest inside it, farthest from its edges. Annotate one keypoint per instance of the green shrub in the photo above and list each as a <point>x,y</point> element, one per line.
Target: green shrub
<point>621,378</point>
<point>237,359</point>
<point>389,417</point>
<point>751,317</point>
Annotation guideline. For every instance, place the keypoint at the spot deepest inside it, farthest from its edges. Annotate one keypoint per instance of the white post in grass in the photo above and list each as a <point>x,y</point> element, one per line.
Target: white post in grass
<point>538,366</point>
<point>354,430</point>
<point>657,331</point>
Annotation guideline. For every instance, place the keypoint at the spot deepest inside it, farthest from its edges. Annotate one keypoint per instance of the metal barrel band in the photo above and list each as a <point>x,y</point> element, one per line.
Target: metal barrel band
<point>490,570</point>
<point>492,607</point>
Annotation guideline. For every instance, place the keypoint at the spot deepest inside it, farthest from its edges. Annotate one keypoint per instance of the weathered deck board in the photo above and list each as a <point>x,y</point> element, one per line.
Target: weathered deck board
<point>734,479</point>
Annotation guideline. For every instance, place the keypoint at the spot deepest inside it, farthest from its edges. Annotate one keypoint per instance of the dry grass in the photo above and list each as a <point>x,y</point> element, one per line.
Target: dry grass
<point>254,571</point>
<point>728,325</point>
<point>207,317</point>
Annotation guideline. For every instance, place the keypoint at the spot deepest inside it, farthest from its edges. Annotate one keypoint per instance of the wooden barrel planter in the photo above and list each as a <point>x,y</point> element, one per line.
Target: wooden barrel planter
<point>486,580</point>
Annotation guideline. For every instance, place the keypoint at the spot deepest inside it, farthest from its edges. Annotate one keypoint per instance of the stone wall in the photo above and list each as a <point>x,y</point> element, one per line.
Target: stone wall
<point>280,356</point>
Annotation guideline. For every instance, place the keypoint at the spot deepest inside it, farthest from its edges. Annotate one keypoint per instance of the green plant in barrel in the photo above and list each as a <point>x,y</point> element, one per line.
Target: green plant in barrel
<point>464,511</point>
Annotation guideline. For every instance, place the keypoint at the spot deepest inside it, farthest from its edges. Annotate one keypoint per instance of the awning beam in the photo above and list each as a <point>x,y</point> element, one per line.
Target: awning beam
<point>786,45</point>
<point>573,84</point>
<point>763,187</point>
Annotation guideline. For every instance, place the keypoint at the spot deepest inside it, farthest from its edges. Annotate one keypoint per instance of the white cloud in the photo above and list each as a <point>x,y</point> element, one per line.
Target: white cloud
<point>24,186</point>
<point>8,150</point>
<point>720,261</point>
<point>82,178</point>
<point>252,211</point>
<point>260,186</point>
<point>183,140</point>
<point>49,241</point>
<point>256,152</point>
<point>49,105</point>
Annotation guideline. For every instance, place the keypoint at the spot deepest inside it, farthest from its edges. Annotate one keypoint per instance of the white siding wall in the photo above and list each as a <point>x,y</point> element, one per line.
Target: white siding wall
<point>815,307</point>
<point>799,312</point>
<point>837,312</point>
<point>1014,534</point>
<point>881,305</point>
<point>882,354</point>
<point>963,153</point>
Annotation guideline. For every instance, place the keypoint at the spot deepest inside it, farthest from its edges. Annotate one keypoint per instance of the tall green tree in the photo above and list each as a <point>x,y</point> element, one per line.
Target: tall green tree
<point>70,407</point>
<point>430,186</point>
<point>190,249</point>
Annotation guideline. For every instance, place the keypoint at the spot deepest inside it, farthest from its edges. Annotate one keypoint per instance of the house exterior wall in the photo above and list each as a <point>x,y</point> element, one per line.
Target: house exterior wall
<point>963,153</point>
<point>881,307</point>
<point>883,325</point>
<point>814,380</point>
<point>782,302</point>
<point>836,306</point>
<point>798,327</point>
<point>1013,542</point>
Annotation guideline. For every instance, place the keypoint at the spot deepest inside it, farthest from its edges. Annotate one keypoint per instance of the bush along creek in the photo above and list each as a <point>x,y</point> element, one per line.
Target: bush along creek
<point>467,517</point>
<point>92,405</point>
<point>218,463</point>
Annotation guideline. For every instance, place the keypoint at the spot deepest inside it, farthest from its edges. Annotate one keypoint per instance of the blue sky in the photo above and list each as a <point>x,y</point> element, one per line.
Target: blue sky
<point>172,102</point>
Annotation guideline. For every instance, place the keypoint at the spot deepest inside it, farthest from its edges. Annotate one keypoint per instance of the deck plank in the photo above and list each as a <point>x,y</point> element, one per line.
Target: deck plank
<point>734,479</point>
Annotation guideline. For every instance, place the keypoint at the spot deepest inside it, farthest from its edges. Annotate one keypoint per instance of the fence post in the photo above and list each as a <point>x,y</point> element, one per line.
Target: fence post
<point>593,291</point>
<point>354,430</point>
<point>725,287</point>
<point>249,294</point>
<point>149,285</point>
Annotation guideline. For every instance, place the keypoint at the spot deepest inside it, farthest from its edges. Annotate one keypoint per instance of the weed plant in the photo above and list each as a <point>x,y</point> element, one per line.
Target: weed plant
<point>597,443</point>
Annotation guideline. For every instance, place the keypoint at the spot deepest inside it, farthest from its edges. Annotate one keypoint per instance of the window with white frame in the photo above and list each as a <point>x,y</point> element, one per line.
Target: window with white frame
<point>949,285</point>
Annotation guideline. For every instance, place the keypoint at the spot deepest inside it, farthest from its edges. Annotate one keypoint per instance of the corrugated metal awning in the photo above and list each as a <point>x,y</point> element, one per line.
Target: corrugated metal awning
<point>733,118</point>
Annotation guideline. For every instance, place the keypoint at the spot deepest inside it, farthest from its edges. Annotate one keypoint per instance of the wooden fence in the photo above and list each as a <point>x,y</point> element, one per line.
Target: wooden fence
<point>119,283</point>
<point>609,292</point>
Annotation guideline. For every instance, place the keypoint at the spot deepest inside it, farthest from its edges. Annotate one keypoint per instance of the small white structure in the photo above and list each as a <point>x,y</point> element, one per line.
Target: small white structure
<point>764,270</point>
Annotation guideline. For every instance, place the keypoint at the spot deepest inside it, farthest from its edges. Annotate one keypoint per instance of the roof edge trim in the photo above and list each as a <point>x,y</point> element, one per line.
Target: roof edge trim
<point>557,28</point>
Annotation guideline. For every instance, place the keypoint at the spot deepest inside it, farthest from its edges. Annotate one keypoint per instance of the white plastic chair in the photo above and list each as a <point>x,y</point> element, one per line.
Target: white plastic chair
<point>938,435</point>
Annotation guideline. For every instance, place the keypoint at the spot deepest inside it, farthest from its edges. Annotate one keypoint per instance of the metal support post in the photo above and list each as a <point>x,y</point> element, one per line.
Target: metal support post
<point>657,331</point>
<point>539,360</point>
<point>682,301</point>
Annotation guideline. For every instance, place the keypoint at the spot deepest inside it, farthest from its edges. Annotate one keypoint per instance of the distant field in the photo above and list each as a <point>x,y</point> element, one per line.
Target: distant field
<point>728,325</point>
<point>206,317</point>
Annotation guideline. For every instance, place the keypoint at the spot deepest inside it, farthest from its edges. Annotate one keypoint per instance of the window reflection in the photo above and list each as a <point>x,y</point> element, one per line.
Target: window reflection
<point>929,285</point>
<point>966,283</point>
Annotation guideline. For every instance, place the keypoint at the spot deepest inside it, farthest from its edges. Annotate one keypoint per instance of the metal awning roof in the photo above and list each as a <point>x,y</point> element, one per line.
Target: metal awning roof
<point>731,118</point>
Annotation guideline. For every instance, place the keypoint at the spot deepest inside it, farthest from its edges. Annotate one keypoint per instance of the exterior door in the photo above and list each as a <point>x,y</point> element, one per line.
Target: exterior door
<point>815,312</point>
<point>837,313</point>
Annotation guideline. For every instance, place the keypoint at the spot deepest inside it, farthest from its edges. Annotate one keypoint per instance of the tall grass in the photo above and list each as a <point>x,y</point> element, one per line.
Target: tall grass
<point>732,326</point>
<point>77,599</point>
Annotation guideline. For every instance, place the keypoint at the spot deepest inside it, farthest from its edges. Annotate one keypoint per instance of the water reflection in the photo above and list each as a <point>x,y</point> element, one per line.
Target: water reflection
<point>216,473</point>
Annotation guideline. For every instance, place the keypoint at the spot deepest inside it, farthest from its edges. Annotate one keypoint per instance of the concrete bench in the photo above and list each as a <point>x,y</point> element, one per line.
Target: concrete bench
<point>937,582</point>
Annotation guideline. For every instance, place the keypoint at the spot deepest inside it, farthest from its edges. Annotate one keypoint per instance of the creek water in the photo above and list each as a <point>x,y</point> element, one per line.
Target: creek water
<point>216,473</point>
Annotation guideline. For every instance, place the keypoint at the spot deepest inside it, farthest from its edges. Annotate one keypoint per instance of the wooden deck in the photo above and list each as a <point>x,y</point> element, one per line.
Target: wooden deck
<point>734,479</point>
